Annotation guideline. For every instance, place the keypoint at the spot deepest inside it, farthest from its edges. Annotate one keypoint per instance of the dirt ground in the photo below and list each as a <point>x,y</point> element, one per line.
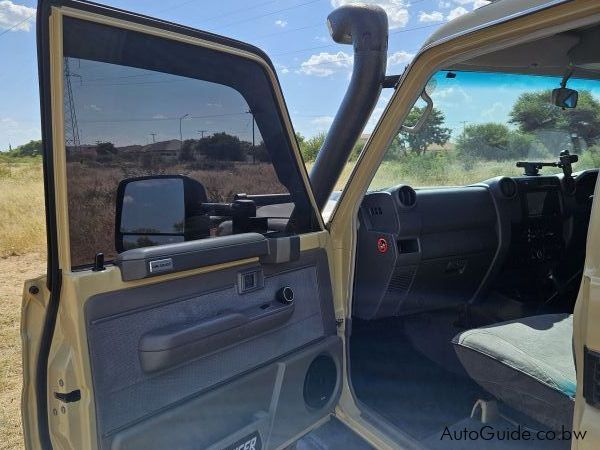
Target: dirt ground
<point>14,270</point>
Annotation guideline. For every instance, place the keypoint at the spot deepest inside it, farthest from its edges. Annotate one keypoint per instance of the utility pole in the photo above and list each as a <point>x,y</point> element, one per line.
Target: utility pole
<point>253,144</point>
<point>464,124</point>
<point>153,137</point>
<point>180,132</point>
<point>201,132</point>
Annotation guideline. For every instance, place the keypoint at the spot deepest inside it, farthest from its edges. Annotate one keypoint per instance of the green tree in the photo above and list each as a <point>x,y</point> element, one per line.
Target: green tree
<point>534,111</point>
<point>311,146</point>
<point>223,147</point>
<point>432,132</point>
<point>493,141</point>
<point>483,141</point>
<point>32,148</point>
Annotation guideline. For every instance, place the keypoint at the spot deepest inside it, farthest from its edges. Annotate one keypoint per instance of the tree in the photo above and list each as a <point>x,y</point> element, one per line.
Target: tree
<point>493,141</point>
<point>106,149</point>
<point>311,146</point>
<point>432,132</point>
<point>32,148</point>
<point>534,112</point>
<point>222,146</point>
<point>188,150</point>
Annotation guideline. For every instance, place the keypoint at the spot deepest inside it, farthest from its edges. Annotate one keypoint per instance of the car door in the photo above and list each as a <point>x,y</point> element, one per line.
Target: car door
<point>156,327</point>
<point>586,341</point>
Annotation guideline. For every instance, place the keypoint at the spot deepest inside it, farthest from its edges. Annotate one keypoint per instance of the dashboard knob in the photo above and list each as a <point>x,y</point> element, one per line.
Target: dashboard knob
<point>285,295</point>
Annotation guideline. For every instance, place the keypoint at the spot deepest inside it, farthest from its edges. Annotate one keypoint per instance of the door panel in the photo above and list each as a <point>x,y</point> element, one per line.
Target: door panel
<point>119,322</point>
<point>193,343</point>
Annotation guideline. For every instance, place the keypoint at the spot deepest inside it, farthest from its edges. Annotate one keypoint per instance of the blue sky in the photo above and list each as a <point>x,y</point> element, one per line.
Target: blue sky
<point>313,72</point>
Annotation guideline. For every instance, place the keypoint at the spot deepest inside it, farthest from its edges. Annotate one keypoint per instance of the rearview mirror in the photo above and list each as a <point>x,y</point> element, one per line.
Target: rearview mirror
<point>565,97</point>
<point>158,210</point>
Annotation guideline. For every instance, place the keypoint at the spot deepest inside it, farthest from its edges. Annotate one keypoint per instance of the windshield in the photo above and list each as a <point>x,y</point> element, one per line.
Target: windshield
<point>483,123</point>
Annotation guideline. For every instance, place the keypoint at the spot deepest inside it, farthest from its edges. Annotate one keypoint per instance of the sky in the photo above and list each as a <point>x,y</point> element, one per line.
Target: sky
<point>313,70</point>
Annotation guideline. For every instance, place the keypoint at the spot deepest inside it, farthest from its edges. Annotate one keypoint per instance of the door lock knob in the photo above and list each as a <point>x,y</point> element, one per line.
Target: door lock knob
<point>285,295</point>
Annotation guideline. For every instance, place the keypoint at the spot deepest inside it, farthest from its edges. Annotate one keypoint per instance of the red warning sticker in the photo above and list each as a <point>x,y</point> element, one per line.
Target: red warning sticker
<point>382,245</point>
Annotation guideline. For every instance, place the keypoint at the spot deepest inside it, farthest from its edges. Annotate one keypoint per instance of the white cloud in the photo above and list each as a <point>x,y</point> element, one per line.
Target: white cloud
<point>281,68</point>
<point>281,23</point>
<point>95,107</point>
<point>433,16</point>
<point>12,14</point>
<point>474,3</point>
<point>456,12</point>
<point>159,116</point>
<point>444,4</point>
<point>397,10</point>
<point>325,64</point>
<point>322,122</point>
<point>401,57</point>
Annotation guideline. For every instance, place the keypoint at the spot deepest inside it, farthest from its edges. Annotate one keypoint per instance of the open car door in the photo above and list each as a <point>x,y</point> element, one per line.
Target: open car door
<point>586,340</point>
<point>177,311</point>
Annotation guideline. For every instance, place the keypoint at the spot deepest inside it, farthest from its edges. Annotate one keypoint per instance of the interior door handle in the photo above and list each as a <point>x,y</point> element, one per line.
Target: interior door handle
<point>175,344</point>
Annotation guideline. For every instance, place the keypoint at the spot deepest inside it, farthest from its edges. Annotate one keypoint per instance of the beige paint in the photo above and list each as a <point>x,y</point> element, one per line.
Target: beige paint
<point>75,428</point>
<point>586,330</point>
<point>343,223</point>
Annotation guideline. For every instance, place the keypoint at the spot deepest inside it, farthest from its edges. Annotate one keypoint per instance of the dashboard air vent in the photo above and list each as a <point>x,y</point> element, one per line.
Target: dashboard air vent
<point>376,211</point>
<point>508,187</point>
<point>407,196</point>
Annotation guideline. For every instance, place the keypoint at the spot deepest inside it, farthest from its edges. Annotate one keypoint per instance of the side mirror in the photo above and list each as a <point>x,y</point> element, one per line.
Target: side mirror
<point>158,210</point>
<point>565,97</point>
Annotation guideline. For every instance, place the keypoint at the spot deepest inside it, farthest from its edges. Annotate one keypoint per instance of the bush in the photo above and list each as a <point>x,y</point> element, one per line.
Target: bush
<point>311,146</point>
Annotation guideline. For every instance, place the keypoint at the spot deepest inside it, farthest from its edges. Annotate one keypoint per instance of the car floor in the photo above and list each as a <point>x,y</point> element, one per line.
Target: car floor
<point>406,371</point>
<point>332,435</point>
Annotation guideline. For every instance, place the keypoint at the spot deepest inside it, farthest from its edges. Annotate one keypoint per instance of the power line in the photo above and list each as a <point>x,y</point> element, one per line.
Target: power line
<point>17,24</point>
<point>260,16</point>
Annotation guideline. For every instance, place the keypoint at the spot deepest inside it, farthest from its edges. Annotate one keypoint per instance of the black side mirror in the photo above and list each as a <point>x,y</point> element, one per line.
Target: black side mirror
<point>158,210</point>
<point>565,97</point>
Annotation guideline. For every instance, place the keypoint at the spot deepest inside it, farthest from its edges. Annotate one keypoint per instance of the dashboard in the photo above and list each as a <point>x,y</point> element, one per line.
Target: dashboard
<point>432,248</point>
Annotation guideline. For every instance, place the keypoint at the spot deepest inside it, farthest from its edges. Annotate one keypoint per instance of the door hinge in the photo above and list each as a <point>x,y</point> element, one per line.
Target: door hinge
<point>68,397</point>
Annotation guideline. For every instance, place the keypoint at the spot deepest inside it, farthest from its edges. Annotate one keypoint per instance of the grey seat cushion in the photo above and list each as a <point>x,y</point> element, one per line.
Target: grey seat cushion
<point>526,363</point>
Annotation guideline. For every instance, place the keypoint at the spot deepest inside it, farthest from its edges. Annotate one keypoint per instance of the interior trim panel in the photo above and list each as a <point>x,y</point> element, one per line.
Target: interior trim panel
<point>156,350</point>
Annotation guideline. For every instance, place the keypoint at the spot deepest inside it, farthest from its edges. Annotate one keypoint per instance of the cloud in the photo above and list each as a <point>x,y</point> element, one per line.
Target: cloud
<point>281,68</point>
<point>456,12</point>
<point>281,23</point>
<point>433,16</point>
<point>325,64</point>
<point>474,3</point>
<point>322,122</point>
<point>397,10</point>
<point>401,57</point>
<point>159,116</point>
<point>12,14</point>
<point>444,4</point>
<point>95,107</point>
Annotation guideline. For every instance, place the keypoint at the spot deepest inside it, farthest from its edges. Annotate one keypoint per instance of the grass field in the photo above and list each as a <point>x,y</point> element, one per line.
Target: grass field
<point>22,239</point>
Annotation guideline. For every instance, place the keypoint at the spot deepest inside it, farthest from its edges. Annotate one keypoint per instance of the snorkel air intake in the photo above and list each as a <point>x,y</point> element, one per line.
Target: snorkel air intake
<point>366,28</point>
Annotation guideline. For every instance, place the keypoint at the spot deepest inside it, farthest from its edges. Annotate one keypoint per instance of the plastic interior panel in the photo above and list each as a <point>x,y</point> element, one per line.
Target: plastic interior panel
<point>116,322</point>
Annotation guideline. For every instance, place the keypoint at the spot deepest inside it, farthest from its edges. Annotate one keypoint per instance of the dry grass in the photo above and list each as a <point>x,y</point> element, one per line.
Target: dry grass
<point>22,223</point>
<point>15,270</point>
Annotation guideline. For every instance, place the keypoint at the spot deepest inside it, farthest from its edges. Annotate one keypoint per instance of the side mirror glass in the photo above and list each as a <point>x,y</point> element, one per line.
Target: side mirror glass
<point>565,97</point>
<point>157,210</point>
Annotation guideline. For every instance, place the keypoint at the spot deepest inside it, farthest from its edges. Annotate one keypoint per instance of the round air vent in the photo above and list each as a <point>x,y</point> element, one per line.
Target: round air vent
<point>508,187</point>
<point>320,381</point>
<point>407,196</point>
